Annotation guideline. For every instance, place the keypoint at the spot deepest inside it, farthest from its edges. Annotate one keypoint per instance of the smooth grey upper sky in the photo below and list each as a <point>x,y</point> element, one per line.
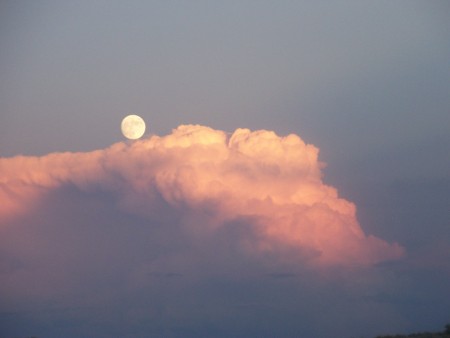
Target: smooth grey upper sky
<point>332,72</point>
<point>366,82</point>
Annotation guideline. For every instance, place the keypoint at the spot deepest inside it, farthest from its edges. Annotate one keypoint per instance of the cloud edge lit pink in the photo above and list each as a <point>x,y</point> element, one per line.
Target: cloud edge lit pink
<point>273,182</point>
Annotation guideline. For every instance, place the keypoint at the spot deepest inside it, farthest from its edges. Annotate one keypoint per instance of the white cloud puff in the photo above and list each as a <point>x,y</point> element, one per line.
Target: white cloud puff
<point>211,180</point>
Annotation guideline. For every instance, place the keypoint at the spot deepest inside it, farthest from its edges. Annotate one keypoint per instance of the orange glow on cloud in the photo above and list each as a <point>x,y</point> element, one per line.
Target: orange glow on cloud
<point>274,182</point>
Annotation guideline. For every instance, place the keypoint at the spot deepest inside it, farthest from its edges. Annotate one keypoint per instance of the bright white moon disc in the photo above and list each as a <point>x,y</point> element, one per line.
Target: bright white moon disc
<point>133,127</point>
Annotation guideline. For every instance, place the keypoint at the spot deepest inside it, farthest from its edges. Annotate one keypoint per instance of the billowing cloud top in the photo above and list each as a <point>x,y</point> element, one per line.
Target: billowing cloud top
<point>268,186</point>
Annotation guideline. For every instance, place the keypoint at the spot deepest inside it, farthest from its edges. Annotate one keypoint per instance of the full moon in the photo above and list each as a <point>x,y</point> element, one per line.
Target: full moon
<point>133,127</point>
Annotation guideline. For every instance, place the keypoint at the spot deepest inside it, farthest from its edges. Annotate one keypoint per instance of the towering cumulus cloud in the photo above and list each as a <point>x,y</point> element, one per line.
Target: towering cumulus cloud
<point>264,189</point>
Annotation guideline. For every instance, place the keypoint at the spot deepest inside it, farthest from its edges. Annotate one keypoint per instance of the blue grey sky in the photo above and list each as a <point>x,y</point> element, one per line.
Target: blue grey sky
<point>366,82</point>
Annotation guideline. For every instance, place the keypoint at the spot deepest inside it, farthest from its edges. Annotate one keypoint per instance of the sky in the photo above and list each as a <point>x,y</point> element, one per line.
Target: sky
<point>293,181</point>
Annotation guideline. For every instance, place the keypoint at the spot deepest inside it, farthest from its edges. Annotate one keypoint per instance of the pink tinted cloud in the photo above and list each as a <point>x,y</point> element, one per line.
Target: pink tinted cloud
<point>211,180</point>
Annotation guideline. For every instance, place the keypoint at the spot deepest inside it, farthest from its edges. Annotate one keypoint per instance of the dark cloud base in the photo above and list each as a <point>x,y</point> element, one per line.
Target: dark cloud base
<point>128,279</point>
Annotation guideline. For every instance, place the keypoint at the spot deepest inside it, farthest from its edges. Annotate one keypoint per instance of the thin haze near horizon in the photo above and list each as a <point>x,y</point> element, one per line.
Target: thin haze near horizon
<point>198,228</point>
